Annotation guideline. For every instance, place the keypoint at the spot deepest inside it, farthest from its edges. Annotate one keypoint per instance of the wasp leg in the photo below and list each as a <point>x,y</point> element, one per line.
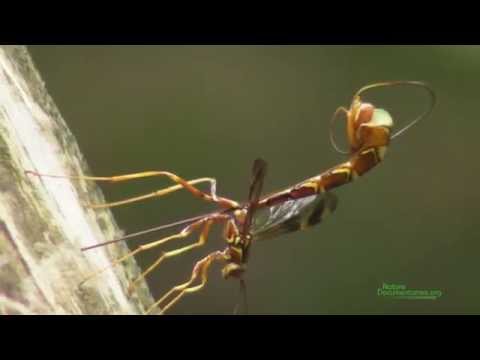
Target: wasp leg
<point>157,193</point>
<point>200,270</point>
<point>201,241</point>
<point>182,234</point>
<point>181,184</point>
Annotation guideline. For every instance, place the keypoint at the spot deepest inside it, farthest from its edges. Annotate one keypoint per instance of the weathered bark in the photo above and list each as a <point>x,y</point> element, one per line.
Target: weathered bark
<point>43,222</point>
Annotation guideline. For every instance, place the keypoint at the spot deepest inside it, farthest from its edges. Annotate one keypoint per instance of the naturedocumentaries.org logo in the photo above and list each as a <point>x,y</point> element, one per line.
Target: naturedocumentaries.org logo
<point>400,291</point>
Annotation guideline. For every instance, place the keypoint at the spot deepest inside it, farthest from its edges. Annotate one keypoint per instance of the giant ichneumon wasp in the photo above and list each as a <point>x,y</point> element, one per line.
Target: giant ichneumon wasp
<point>369,132</point>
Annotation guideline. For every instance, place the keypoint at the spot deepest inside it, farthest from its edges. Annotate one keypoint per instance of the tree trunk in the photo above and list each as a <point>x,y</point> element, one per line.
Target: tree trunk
<point>43,221</point>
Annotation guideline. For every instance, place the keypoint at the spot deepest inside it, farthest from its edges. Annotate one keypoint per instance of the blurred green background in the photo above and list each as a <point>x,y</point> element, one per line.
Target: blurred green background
<point>211,110</point>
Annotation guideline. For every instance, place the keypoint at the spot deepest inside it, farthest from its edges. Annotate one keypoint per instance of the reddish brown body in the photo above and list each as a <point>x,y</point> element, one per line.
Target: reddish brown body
<point>368,144</point>
<point>295,208</point>
<point>368,132</point>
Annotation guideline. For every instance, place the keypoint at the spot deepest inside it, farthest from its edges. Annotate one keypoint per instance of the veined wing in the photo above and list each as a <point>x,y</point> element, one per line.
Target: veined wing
<point>259,171</point>
<point>292,215</point>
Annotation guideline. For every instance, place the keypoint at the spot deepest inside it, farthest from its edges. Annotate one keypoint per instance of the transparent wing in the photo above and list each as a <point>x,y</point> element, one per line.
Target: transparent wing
<point>259,171</point>
<point>292,215</point>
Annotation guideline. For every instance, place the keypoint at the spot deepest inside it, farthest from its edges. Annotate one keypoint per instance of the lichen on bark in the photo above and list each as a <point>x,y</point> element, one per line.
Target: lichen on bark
<point>44,222</point>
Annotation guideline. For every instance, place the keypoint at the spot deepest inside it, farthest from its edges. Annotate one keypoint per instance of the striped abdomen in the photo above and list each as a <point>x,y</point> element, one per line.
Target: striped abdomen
<point>375,137</point>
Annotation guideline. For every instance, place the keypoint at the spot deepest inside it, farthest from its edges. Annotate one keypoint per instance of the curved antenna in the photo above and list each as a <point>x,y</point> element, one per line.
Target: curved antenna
<point>421,84</point>
<point>332,139</point>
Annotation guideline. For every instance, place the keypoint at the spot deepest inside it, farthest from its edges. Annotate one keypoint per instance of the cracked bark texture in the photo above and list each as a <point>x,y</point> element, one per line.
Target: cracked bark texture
<point>43,222</point>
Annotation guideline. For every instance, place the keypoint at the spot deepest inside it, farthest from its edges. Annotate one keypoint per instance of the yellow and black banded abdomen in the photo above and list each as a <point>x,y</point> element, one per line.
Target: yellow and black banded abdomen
<point>367,159</point>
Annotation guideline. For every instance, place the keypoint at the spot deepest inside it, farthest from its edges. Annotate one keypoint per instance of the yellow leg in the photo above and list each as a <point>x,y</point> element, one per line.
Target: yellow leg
<point>181,184</point>
<point>165,255</point>
<point>182,234</point>
<point>200,270</point>
<point>157,193</point>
